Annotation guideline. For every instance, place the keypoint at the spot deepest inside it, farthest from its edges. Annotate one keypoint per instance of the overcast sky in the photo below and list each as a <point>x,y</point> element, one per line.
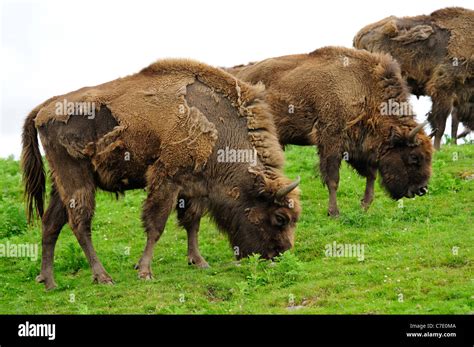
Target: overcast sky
<point>53,47</point>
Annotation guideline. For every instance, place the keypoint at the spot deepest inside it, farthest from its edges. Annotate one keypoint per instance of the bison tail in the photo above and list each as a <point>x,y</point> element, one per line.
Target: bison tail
<point>33,171</point>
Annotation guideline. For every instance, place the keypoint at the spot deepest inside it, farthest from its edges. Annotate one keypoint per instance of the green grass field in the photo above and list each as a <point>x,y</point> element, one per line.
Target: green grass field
<point>418,254</point>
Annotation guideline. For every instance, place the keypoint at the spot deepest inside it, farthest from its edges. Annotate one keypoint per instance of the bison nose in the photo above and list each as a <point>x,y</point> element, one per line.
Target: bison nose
<point>422,191</point>
<point>269,255</point>
<point>282,249</point>
<point>275,252</point>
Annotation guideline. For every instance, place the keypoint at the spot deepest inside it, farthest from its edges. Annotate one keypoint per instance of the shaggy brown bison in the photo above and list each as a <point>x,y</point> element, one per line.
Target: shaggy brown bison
<point>162,128</point>
<point>436,54</point>
<point>353,105</point>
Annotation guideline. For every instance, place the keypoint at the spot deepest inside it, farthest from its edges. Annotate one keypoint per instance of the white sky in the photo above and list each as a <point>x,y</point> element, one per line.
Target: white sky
<point>52,47</point>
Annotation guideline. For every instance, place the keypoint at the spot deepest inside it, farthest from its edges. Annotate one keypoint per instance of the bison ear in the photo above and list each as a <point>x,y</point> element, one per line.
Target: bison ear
<point>396,137</point>
<point>260,183</point>
<point>417,33</point>
<point>390,28</point>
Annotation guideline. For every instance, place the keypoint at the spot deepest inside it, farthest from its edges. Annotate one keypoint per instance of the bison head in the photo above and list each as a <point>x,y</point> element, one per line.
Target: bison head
<point>373,35</point>
<point>390,33</point>
<point>260,217</point>
<point>405,162</point>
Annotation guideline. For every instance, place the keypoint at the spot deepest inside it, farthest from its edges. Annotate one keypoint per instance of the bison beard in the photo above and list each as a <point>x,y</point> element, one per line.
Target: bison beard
<point>436,57</point>
<point>332,98</point>
<point>161,129</point>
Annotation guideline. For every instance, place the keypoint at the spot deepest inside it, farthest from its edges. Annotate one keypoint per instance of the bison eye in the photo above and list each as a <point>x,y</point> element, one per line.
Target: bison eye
<point>280,221</point>
<point>413,159</point>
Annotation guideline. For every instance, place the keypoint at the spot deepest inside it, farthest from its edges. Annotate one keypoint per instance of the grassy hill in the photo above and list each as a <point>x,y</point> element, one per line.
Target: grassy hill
<point>418,254</point>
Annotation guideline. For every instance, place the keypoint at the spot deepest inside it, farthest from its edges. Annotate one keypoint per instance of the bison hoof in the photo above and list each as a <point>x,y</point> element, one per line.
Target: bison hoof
<point>198,262</point>
<point>333,213</point>
<point>145,275</point>
<point>103,279</point>
<point>365,205</point>
<point>49,282</point>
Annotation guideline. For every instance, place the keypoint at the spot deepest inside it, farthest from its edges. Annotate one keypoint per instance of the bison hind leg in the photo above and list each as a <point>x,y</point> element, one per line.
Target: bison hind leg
<point>53,220</point>
<point>75,184</point>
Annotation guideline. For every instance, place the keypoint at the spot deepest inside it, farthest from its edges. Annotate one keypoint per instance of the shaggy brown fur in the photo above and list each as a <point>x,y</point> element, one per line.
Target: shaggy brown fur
<point>163,128</point>
<point>436,54</point>
<point>332,98</point>
<point>463,112</point>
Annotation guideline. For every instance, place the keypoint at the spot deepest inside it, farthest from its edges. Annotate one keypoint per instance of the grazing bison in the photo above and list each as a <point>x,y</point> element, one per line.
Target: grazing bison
<point>436,54</point>
<point>162,128</point>
<point>352,105</point>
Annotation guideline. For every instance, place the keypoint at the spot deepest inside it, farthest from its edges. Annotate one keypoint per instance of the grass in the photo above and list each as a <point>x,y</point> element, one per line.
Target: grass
<point>418,254</point>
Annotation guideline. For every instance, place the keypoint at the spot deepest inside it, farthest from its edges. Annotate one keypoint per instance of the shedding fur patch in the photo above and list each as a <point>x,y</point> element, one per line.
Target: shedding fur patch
<point>155,121</point>
<point>460,23</point>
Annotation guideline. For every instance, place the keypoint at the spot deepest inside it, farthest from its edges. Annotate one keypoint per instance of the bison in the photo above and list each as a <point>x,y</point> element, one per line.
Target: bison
<point>436,54</point>
<point>162,129</point>
<point>353,105</point>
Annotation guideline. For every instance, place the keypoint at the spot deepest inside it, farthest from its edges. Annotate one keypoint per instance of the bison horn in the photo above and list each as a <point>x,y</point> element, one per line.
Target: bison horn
<point>282,192</point>
<point>433,132</point>
<point>415,130</point>
<point>464,134</point>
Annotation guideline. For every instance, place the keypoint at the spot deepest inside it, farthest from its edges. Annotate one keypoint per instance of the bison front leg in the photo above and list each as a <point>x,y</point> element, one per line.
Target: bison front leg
<point>158,206</point>
<point>369,189</point>
<point>53,220</point>
<point>189,216</point>
<point>194,255</point>
<point>329,166</point>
